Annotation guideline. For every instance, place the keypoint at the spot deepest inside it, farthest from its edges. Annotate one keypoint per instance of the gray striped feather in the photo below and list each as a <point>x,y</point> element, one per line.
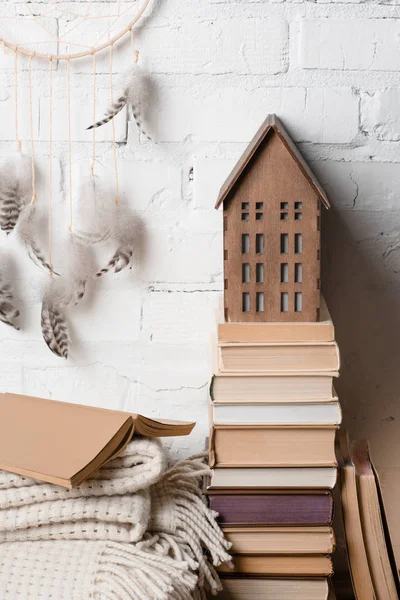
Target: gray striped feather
<point>135,96</point>
<point>120,260</point>
<point>55,330</point>
<point>9,207</point>
<point>53,316</point>
<point>139,123</point>
<point>8,312</point>
<point>112,111</point>
<point>15,189</point>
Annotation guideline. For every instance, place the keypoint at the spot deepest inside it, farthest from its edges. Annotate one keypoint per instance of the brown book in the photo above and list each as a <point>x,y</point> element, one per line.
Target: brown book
<point>274,565</point>
<point>65,443</point>
<point>321,331</point>
<point>257,388</point>
<point>378,545</point>
<point>246,588</point>
<point>278,358</point>
<point>280,540</point>
<point>358,561</point>
<point>286,446</point>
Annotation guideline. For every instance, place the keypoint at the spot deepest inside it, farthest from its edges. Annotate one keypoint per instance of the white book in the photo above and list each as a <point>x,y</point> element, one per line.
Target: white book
<point>274,589</point>
<point>326,413</point>
<point>274,477</point>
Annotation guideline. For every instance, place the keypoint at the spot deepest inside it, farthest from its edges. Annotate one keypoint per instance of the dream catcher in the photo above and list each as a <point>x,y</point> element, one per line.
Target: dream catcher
<point>98,216</point>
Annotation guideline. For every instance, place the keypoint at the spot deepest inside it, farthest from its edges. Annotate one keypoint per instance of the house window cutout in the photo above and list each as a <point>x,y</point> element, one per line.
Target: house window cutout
<point>260,302</point>
<point>284,301</point>
<point>298,205</point>
<point>245,302</point>
<point>284,211</point>
<point>259,205</point>
<point>298,216</point>
<point>259,273</point>
<point>284,243</point>
<point>298,302</point>
<point>245,273</point>
<point>245,243</point>
<point>284,272</point>
<point>245,206</point>
<point>245,216</point>
<point>259,216</point>
<point>298,243</point>
<point>298,273</point>
<point>259,243</point>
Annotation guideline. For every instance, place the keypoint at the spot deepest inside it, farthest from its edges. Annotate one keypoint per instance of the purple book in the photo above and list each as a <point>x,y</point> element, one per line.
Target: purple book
<point>273,509</point>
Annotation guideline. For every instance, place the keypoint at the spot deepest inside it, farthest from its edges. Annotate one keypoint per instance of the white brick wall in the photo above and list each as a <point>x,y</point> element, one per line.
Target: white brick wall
<point>329,69</point>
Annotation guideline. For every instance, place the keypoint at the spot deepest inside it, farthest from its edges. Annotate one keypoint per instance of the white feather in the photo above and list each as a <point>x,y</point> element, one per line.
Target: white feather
<point>127,234</point>
<point>79,267</point>
<point>94,209</point>
<point>28,235</point>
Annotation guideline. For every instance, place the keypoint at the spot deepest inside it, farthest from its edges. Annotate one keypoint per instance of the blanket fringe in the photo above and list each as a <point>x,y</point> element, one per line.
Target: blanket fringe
<point>191,532</point>
<point>140,573</point>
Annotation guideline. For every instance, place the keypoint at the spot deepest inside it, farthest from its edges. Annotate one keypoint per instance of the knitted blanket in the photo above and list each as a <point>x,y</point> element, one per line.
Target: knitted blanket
<point>135,531</point>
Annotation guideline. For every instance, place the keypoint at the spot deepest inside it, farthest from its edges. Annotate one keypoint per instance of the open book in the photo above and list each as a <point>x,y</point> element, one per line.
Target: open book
<point>65,443</point>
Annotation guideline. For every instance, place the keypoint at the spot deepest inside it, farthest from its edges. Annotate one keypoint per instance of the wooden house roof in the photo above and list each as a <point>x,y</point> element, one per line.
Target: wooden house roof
<point>271,124</point>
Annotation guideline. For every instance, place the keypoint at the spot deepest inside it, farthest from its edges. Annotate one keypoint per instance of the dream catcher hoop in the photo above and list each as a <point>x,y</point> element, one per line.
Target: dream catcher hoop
<point>102,218</point>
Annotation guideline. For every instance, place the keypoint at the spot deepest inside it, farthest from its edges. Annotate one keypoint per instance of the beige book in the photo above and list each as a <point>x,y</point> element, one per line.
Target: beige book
<point>244,388</point>
<point>65,443</point>
<point>279,358</point>
<point>360,572</point>
<point>280,540</point>
<point>378,546</point>
<point>274,565</point>
<point>321,331</point>
<point>287,446</point>
<point>273,589</point>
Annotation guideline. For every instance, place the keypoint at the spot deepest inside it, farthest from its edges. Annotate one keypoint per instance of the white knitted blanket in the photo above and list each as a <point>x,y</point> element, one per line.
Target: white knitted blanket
<point>133,532</point>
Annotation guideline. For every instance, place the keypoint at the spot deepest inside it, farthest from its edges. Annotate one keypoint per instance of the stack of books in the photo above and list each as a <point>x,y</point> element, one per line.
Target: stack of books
<point>274,415</point>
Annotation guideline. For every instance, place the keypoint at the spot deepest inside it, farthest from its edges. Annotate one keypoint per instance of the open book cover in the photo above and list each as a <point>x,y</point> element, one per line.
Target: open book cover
<point>65,443</point>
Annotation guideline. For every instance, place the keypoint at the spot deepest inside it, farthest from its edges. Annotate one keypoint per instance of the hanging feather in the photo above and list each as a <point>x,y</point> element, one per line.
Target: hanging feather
<point>56,298</point>
<point>28,234</point>
<point>134,96</point>
<point>93,212</point>
<point>15,189</point>
<point>8,312</point>
<point>79,267</point>
<point>126,232</point>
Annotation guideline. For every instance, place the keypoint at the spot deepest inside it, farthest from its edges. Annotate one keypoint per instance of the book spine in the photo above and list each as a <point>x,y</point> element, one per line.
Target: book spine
<point>211,391</point>
<point>211,448</point>
<point>273,510</point>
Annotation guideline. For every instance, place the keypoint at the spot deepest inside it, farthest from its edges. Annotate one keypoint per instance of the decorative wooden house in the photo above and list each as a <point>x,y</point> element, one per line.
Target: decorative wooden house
<point>271,203</point>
